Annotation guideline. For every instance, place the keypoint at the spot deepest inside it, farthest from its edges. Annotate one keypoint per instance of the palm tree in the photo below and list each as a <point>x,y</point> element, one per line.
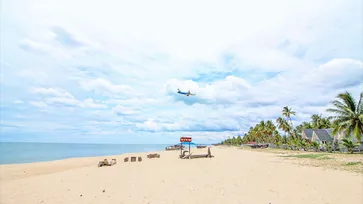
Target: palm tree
<point>283,125</point>
<point>315,145</point>
<point>315,119</point>
<point>348,116</point>
<point>349,144</point>
<point>287,112</point>
<point>319,122</point>
<point>304,125</point>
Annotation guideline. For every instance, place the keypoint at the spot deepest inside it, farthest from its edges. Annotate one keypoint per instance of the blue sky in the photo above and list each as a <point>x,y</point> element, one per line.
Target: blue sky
<point>108,71</point>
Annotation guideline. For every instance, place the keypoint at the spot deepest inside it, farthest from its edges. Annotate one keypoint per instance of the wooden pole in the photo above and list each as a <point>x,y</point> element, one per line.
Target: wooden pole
<point>189,150</point>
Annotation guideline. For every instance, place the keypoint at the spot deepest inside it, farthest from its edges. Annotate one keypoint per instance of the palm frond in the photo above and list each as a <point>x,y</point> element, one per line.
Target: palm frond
<point>361,118</point>
<point>348,100</point>
<point>337,111</point>
<point>360,104</point>
<point>339,105</point>
<point>357,132</point>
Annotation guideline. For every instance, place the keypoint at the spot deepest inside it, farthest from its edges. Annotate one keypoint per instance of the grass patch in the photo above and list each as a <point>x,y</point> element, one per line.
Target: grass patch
<point>324,158</point>
<point>310,156</point>
<point>351,163</point>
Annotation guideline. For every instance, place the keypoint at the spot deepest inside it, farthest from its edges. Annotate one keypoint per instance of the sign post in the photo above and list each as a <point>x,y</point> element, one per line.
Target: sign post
<point>184,139</point>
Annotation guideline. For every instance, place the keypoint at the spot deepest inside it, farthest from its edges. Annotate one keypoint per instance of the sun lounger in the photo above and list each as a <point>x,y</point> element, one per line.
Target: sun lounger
<point>139,159</point>
<point>133,159</point>
<point>126,159</point>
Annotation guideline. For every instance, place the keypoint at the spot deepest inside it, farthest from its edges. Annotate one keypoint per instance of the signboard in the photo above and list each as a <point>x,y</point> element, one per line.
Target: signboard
<point>185,139</point>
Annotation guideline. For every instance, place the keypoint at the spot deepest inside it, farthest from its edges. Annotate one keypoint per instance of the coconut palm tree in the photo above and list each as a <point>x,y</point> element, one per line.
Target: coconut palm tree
<point>319,122</point>
<point>283,125</point>
<point>349,144</point>
<point>348,115</point>
<point>287,112</point>
<point>315,145</point>
<point>304,125</point>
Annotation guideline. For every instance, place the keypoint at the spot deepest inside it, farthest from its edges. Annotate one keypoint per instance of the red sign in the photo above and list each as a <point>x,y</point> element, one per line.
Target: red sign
<point>185,139</point>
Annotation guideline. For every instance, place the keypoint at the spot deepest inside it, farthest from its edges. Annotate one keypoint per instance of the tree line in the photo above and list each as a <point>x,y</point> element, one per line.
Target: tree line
<point>346,119</point>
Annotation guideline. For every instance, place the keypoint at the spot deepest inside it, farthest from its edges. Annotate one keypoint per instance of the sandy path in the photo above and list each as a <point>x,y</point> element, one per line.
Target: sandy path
<point>233,176</point>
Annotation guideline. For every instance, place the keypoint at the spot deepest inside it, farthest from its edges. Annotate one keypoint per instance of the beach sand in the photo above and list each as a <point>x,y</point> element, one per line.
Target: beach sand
<point>232,176</point>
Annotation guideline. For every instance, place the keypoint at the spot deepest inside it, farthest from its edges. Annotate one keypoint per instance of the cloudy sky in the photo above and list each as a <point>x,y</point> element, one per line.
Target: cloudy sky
<point>108,71</point>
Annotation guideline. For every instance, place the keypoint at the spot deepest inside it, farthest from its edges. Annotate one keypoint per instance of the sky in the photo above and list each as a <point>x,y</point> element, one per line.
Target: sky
<point>108,71</point>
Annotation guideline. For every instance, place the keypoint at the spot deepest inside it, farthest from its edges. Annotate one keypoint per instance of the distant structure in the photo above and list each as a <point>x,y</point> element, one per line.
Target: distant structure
<point>323,136</point>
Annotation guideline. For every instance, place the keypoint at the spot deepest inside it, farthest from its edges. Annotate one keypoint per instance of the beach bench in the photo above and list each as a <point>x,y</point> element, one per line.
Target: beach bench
<point>195,156</point>
<point>150,156</point>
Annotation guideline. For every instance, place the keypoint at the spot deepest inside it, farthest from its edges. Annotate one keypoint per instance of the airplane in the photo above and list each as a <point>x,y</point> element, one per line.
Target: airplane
<point>186,93</point>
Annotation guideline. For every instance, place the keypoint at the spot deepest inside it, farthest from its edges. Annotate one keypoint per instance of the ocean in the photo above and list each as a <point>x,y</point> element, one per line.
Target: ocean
<point>17,152</point>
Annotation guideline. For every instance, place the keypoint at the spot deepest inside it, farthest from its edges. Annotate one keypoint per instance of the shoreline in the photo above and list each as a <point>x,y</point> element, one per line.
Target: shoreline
<point>23,170</point>
<point>21,153</point>
<point>81,157</point>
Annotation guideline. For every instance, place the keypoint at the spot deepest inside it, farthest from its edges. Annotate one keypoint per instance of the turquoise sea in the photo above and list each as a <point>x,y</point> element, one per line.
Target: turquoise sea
<point>15,153</point>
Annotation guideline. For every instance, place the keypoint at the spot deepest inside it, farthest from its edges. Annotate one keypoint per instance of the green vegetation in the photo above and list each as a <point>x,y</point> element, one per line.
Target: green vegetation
<point>349,144</point>
<point>310,156</point>
<point>347,121</point>
<point>348,115</point>
<point>352,163</point>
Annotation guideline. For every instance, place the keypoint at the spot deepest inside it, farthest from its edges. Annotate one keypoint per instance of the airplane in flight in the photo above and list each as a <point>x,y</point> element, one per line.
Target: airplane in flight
<point>186,93</point>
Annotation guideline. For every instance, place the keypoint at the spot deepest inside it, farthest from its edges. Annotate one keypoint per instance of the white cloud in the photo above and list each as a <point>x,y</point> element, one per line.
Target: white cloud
<point>103,86</point>
<point>89,102</point>
<point>337,73</point>
<point>228,90</point>
<point>64,98</point>
<point>52,92</point>
<point>36,76</point>
<point>242,65</point>
<point>30,45</point>
<point>122,110</point>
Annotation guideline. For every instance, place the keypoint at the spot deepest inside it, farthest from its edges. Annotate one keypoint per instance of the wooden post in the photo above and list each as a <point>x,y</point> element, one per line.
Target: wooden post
<point>189,150</point>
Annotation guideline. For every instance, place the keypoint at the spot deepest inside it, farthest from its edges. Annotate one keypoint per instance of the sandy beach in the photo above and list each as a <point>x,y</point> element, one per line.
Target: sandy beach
<point>232,176</point>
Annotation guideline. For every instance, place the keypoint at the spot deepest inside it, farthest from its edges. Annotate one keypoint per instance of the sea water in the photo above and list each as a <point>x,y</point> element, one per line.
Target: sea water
<point>15,153</point>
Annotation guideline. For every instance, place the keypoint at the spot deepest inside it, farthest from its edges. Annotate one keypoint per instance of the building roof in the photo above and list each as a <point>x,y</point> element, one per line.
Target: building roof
<point>323,134</point>
<point>330,131</point>
<point>308,133</point>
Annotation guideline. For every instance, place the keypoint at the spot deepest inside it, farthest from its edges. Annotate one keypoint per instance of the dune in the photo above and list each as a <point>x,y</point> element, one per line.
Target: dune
<point>232,176</point>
